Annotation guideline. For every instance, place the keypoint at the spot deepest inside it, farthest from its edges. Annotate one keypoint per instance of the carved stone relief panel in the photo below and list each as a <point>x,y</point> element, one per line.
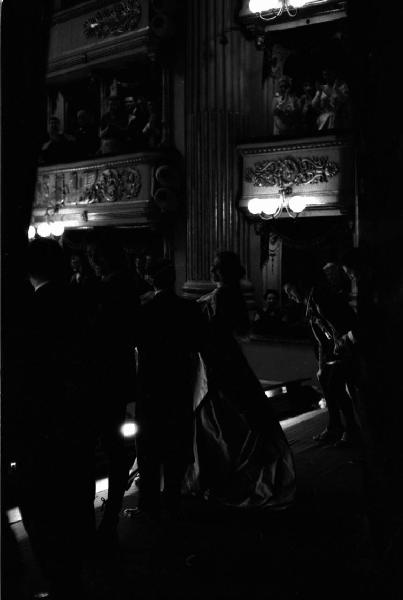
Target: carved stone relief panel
<point>95,183</point>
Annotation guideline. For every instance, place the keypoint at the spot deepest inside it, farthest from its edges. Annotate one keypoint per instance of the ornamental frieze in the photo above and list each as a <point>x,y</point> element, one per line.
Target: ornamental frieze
<point>290,171</point>
<point>59,189</point>
<point>119,18</point>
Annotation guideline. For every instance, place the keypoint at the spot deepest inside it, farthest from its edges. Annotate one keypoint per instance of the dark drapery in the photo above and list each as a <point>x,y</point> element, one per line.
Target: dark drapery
<point>24,46</point>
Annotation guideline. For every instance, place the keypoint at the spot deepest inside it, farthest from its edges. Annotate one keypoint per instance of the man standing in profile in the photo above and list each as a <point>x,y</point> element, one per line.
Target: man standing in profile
<point>168,344</point>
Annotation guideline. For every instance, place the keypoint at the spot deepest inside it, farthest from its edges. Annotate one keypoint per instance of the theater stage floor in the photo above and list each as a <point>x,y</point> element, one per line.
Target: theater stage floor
<point>319,548</point>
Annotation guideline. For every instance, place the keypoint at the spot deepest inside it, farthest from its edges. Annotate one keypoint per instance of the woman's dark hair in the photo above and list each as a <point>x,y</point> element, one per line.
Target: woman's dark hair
<point>230,267</point>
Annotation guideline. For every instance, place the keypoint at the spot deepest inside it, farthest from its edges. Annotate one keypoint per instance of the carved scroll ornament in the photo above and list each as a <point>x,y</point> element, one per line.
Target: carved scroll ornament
<point>289,171</point>
<point>119,18</point>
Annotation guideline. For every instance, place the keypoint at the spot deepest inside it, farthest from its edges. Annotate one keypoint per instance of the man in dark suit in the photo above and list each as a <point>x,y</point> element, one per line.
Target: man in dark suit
<point>56,445</point>
<point>115,321</point>
<point>168,344</point>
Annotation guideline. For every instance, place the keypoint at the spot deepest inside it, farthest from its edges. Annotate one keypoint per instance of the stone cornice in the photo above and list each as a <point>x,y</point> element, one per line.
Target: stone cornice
<point>137,42</point>
<point>275,146</point>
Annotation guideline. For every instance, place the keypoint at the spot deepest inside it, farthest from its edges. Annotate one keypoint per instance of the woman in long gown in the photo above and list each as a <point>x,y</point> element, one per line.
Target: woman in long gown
<point>242,458</point>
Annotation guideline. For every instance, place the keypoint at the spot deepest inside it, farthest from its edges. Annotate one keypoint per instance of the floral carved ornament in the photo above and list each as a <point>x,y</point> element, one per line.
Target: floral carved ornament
<point>289,171</point>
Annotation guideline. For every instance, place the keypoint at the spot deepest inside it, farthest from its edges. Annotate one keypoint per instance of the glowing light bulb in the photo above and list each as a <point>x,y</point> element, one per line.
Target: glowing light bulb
<point>259,6</point>
<point>31,232</point>
<point>57,229</point>
<point>271,205</point>
<point>44,230</point>
<point>297,3</point>
<point>129,429</point>
<point>255,206</point>
<point>297,204</point>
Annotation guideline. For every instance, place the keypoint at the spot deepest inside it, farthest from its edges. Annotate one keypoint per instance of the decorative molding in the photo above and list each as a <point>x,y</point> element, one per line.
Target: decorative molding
<point>117,19</point>
<point>289,171</point>
<point>292,146</point>
<point>135,44</point>
<point>87,185</point>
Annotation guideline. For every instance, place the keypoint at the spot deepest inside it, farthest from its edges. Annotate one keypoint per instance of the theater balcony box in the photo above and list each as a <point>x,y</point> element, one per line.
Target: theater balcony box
<point>320,170</point>
<point>131,189</point>
<point>97,33</point>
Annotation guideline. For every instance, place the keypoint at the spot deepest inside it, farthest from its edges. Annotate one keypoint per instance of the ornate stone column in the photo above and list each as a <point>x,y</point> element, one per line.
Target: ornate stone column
<point>216,122</point>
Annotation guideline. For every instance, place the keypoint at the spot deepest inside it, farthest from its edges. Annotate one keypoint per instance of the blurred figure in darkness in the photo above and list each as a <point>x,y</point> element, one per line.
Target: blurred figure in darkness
<point>56,444</point>
<point>112,128</point>
<point>86,135</point>
<point>59,148</point>
<point>332,322</point>
<point>115,323</point>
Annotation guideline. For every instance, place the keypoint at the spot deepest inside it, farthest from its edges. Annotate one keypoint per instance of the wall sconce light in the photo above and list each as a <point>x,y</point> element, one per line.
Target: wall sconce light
<point>271,207</point>
<point>46,229</point>
<point>280,6</point>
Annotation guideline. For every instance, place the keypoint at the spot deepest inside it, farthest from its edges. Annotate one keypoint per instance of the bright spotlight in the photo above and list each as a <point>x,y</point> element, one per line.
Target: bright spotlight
<point>31,232</point>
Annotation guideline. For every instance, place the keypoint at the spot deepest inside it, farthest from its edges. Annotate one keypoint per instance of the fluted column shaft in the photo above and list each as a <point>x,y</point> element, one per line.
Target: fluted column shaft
<point>216,123</point>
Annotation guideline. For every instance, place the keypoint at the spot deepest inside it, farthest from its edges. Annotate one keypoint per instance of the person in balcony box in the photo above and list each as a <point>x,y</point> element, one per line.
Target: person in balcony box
<point>286,108</point>
<point>86,135</point>
<point>152,129</point>
<point>309,113</point>
<point>332,102</point>
<point>59,147</point>
<point>137,121</point>
<point>112,129</point>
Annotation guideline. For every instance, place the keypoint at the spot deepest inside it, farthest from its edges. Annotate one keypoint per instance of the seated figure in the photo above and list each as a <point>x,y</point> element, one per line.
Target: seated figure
<point>271,318</point>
